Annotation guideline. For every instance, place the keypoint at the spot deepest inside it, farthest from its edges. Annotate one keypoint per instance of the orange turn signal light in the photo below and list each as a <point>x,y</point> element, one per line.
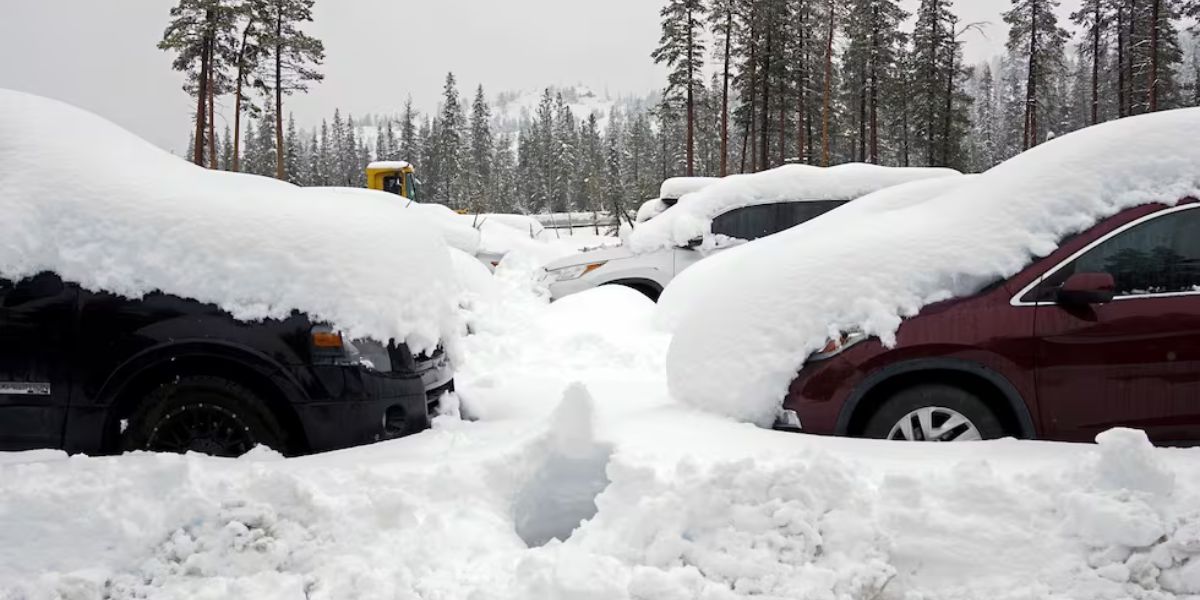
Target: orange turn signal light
<point>327,339</point>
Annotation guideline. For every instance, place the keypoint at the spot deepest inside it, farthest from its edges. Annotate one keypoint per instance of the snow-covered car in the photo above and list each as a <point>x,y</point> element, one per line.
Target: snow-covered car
<point>148,303</point>
<point>1055,295</point>
<point>719,215</point>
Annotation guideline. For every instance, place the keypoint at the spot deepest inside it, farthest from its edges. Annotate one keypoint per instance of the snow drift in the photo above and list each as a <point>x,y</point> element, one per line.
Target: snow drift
<point>106,209</point>
<point>746,322</point>
<point>692,217</point>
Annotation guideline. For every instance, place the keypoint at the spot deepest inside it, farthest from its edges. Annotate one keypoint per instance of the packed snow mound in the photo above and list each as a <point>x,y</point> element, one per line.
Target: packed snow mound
<point>678,187</point>
<point>455,231</point>
<point>105,209</point>
<point>754,315</point>
<point>692,217</point>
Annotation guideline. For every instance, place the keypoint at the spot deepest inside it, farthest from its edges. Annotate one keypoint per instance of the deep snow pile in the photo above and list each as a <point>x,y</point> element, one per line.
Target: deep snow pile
<point>584,481</point>
<point>691,218</point>
<point>103,208</point>
<point>765,307</point>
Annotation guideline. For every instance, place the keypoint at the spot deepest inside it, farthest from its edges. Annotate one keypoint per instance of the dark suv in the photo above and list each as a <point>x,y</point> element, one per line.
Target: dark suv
<point>1104,332</point>
<point>97,373</point>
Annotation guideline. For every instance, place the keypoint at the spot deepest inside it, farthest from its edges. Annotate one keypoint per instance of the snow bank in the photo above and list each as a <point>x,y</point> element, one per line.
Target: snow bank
<point>105,209</point>
<point>678,187</point>
<point>692,217</point>
<point>767,306</point>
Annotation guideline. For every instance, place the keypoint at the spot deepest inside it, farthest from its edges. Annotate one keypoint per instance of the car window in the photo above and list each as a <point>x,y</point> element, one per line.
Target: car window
<point>1159,256</point>
<point>749,223</point>
<point>792,214</point>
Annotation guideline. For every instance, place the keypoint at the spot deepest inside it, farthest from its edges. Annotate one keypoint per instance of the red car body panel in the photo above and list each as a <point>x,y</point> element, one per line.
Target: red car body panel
<point>1064,373</point>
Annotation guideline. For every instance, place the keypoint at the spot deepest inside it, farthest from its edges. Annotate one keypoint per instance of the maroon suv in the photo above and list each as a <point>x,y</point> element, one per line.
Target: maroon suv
<point>1104,332</point>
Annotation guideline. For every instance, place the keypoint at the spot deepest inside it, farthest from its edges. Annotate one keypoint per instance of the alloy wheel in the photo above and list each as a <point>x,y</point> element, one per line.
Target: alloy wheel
<point>935,424</point>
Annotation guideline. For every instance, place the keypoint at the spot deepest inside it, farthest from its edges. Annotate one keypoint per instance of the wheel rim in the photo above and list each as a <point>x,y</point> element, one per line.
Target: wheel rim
<point>935,424</point>
<point>203,428</point>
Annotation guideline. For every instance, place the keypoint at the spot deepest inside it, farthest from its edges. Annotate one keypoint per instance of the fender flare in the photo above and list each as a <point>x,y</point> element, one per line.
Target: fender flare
<point>1007,391</point>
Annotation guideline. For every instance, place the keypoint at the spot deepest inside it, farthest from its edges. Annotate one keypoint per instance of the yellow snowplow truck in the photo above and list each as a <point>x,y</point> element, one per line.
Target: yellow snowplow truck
<point>394,177</point>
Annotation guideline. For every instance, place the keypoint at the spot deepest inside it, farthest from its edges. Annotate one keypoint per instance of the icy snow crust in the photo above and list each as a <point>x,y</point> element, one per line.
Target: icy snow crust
<point>692,217</point>
<point>105,209</point>
<point>746,320</point>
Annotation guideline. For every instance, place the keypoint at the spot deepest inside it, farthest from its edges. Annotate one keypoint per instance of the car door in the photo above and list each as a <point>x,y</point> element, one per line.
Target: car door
<point>1134,362</point>
<point>37,320</point>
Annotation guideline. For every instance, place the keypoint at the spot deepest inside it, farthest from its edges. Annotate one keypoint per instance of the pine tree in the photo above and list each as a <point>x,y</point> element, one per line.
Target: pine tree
<point>870,65</point>
<point>291,154</point>
<point>723,16</point>
<point>227,150</point>
<point>682,49</point>
<point>200,33</point>
<point>984,135</point>
<point>564,158</point>
<point>409,146</point>
<point>481,143</point>
<point>507,195</point>
<point>1094,17</point>
<point>294,57</point>
<point>247,57</point>
<point>1037,39</point>
<point>451,146</point>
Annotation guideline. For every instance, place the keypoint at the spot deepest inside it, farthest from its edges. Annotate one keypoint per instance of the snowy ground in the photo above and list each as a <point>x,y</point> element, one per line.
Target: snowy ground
<point>574,424</point>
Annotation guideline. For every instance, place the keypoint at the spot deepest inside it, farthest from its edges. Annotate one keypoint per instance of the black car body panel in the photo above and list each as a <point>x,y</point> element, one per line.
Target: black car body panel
<point>76,363</point>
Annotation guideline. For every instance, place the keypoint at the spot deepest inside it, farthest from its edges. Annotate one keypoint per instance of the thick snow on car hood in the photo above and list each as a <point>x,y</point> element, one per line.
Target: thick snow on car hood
<point>747,320</point>
<point>103,208</point>
<point>692,217</point>
<point>678,187</point>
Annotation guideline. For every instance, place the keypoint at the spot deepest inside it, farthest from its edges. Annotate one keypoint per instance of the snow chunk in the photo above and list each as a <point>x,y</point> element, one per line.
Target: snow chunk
<point>650,209</point>
<point>692,217</point>
<point>678,187</point>
<point>755,313</point>
<point>1128,462</point>
<point>106,209</point>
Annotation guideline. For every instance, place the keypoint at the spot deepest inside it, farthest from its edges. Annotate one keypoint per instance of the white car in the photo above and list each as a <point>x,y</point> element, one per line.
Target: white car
<point>730,212</point>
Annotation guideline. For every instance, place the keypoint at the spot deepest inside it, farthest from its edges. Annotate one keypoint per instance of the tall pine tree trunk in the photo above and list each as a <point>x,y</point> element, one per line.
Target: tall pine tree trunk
<point>202,92</point>
<point>827,101</point>
<point>1097,17</point>
<point>764,152</point>
<point>237,99</point>
<point>691,101</point>
<point>873,68</point>
<point>212,125</point>
<point>802,87</point>
<point>948,116</point>
<point>752,137</point>
<point>1031,128</point>
<point>280,170</point>
<point>1155,26</point>
<point>725,92</point>
<point>1122,58</point>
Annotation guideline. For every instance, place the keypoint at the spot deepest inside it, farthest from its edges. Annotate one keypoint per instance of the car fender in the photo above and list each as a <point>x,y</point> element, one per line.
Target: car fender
<point>656,268</point>
<point>1009,392</point>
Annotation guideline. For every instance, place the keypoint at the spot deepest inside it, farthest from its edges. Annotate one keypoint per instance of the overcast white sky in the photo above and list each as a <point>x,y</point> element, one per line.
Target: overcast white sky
<point>100,54</point>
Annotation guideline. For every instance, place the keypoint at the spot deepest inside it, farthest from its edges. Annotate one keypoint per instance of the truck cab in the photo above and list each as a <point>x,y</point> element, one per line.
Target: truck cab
<point>393,177</point>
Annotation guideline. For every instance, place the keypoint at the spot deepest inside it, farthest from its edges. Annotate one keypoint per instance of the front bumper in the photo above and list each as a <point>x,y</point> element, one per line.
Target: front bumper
<point>562,289</point>
<point>362,407</point>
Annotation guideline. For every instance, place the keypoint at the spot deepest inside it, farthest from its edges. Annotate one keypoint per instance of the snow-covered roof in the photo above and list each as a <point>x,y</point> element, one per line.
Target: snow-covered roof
<point>678,187</point>
<point>692,217</point>
<point>747,319</point>
<point>389,164</point>
<point>130,219</point>
<point>650,209</point>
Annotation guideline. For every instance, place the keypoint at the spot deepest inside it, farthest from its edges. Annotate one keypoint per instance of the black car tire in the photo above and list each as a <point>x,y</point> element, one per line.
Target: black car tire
<point>930,395</point>
<point>210,415</point>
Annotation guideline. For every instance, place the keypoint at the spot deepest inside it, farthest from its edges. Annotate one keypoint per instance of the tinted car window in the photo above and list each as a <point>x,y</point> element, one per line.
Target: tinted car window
<point>792,214</point>
<point>1159,256</point>
<point>749,223</point>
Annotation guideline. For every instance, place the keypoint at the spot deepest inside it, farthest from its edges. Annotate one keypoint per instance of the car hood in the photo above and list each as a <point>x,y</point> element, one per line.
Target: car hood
<point>592,256</point>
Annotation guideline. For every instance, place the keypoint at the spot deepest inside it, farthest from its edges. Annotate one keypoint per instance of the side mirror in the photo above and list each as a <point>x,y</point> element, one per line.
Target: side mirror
<point>1087,288</point>
<point>694,243</point>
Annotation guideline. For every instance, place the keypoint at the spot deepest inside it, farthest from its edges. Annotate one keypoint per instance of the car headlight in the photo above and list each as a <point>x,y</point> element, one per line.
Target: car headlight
<point>837,346</point>
<point>573,272</point>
